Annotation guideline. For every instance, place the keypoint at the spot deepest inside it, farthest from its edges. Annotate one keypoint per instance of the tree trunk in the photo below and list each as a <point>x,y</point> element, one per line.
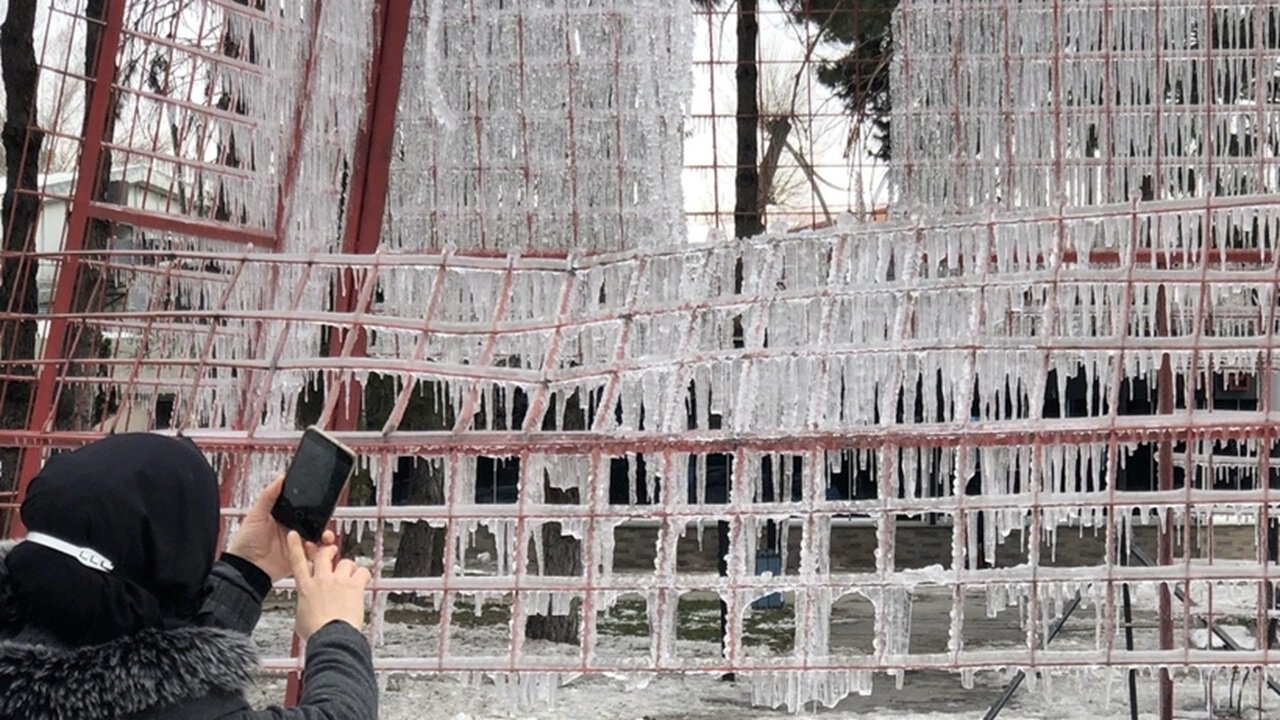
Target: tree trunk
<point>778,130</point>
<point>561,556</point>
<point>748,218</point>
<point>22,145</point>
<point>421,549</point>
<point>418,481</point>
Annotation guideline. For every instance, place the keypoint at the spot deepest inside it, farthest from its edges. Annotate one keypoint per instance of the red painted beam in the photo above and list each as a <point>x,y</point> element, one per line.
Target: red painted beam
<point>367,198</point>
<point>370,176</point>
<point>168,222</point>
<point>1222,425</point>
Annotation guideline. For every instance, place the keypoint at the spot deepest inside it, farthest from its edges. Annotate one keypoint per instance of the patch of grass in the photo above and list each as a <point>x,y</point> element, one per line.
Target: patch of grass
<point>489,615</point>
<point>774,628</point>
<point>698,620</point>
<point>464,615</point>
<point>621,629</point>
<point>698,632</point>
<point>627,618</point>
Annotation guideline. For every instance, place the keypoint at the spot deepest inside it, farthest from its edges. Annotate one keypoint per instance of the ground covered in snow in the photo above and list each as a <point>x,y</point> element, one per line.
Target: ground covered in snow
<point>926,695</point>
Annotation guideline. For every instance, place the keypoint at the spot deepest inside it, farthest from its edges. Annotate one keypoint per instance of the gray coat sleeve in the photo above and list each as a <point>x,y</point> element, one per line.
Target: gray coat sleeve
<point>232,602</point>
<point>338,682</point>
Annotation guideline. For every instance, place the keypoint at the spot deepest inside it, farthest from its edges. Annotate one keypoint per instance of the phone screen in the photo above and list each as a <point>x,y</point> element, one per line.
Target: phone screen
<point>312,485</point>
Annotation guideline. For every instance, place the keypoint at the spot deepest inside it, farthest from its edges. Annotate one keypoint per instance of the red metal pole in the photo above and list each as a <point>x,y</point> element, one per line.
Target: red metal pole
<point>53,354</point>
<point>370,175</point>
<point>367,200</point>
<point>1164,546</point>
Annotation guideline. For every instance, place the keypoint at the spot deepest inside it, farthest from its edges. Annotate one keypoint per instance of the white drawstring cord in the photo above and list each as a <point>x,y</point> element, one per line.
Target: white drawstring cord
<point>86,556</point>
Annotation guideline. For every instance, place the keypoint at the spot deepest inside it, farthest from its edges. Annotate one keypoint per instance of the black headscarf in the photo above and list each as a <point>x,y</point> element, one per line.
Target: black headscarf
<point>148,503</point>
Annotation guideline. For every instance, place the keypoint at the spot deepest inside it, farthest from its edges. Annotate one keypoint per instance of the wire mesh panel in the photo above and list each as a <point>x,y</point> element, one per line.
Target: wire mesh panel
<point>201,126</point>
<point>1033,104</point>
<point>540,128</point>
<point>449,231</point>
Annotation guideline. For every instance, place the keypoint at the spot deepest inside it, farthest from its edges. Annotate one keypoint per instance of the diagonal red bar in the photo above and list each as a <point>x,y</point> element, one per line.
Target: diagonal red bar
<point>365,206</point>
<point>54,354</point>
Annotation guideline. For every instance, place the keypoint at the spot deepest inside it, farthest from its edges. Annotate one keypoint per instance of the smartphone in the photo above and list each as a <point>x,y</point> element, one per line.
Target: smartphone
<point>320,468</point>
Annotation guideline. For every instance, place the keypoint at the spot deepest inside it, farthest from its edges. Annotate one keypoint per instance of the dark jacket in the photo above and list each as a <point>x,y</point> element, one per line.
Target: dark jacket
<point>197,672</point>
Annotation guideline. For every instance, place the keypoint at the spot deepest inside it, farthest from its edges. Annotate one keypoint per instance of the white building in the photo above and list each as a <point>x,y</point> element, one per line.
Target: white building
<point>134,186</point>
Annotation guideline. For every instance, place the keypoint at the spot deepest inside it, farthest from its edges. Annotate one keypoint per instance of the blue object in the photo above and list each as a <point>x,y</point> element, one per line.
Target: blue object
<point>768,561</point>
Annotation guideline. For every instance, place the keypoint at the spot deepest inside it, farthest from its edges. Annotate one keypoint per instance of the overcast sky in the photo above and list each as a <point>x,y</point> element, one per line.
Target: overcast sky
<point>823,140</point>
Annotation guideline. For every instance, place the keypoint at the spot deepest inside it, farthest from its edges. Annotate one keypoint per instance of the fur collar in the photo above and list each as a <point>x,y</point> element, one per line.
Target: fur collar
<point>127,676</point>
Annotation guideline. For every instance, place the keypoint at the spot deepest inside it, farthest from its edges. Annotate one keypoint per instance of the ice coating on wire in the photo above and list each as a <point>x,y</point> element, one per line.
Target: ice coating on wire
<point>967,361</point>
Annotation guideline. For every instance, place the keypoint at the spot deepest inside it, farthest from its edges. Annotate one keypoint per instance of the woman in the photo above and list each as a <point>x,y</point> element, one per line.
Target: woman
<point>113,607</point>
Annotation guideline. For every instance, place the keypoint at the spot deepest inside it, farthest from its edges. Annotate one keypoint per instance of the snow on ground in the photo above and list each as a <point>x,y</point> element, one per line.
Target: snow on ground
<point>926,695</point>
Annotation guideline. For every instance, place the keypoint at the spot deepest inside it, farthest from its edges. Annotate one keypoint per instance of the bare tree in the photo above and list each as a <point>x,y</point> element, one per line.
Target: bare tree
<point>75,409</point>
<point>22,139</point>
<point>62,108</point>
<point>789,175</point>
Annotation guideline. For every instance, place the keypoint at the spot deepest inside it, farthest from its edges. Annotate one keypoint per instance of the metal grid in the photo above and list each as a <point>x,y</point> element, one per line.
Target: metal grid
<point>815,157</point>
<point>978,370</point>
<point>1031,105</point>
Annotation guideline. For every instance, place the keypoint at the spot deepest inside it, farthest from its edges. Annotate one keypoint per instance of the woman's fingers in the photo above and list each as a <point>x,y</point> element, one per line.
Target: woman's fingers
<point>363,576</point>
<point>267,498</point>
<point>324,559</point>
<point>345,568</point>
<point>297,557</point>
<point>326,538</point>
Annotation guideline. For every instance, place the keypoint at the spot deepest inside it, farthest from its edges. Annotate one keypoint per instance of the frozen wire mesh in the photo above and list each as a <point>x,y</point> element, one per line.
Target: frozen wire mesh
<point>543,364</point>
<point>541,128</point>
<point>1015,105</point>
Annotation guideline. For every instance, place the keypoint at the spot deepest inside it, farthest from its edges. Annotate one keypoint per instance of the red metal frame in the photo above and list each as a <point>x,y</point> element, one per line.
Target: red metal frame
<point>369,178</point>
<point>352,315</point>
<point>366,205</point>
<point>152,220</point>
<point>55,359</point>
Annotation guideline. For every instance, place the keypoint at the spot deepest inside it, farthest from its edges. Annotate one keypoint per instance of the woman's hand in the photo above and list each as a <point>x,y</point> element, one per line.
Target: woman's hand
<point>328,588</point>
<point>261,540</point>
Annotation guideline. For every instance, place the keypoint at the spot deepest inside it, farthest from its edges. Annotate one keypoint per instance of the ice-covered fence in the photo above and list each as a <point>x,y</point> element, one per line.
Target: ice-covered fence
<point>1004,374</point>
<point>201,125</point>
<point>541,127</point>
<point>1032,104</point>
<point>839,329</point>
